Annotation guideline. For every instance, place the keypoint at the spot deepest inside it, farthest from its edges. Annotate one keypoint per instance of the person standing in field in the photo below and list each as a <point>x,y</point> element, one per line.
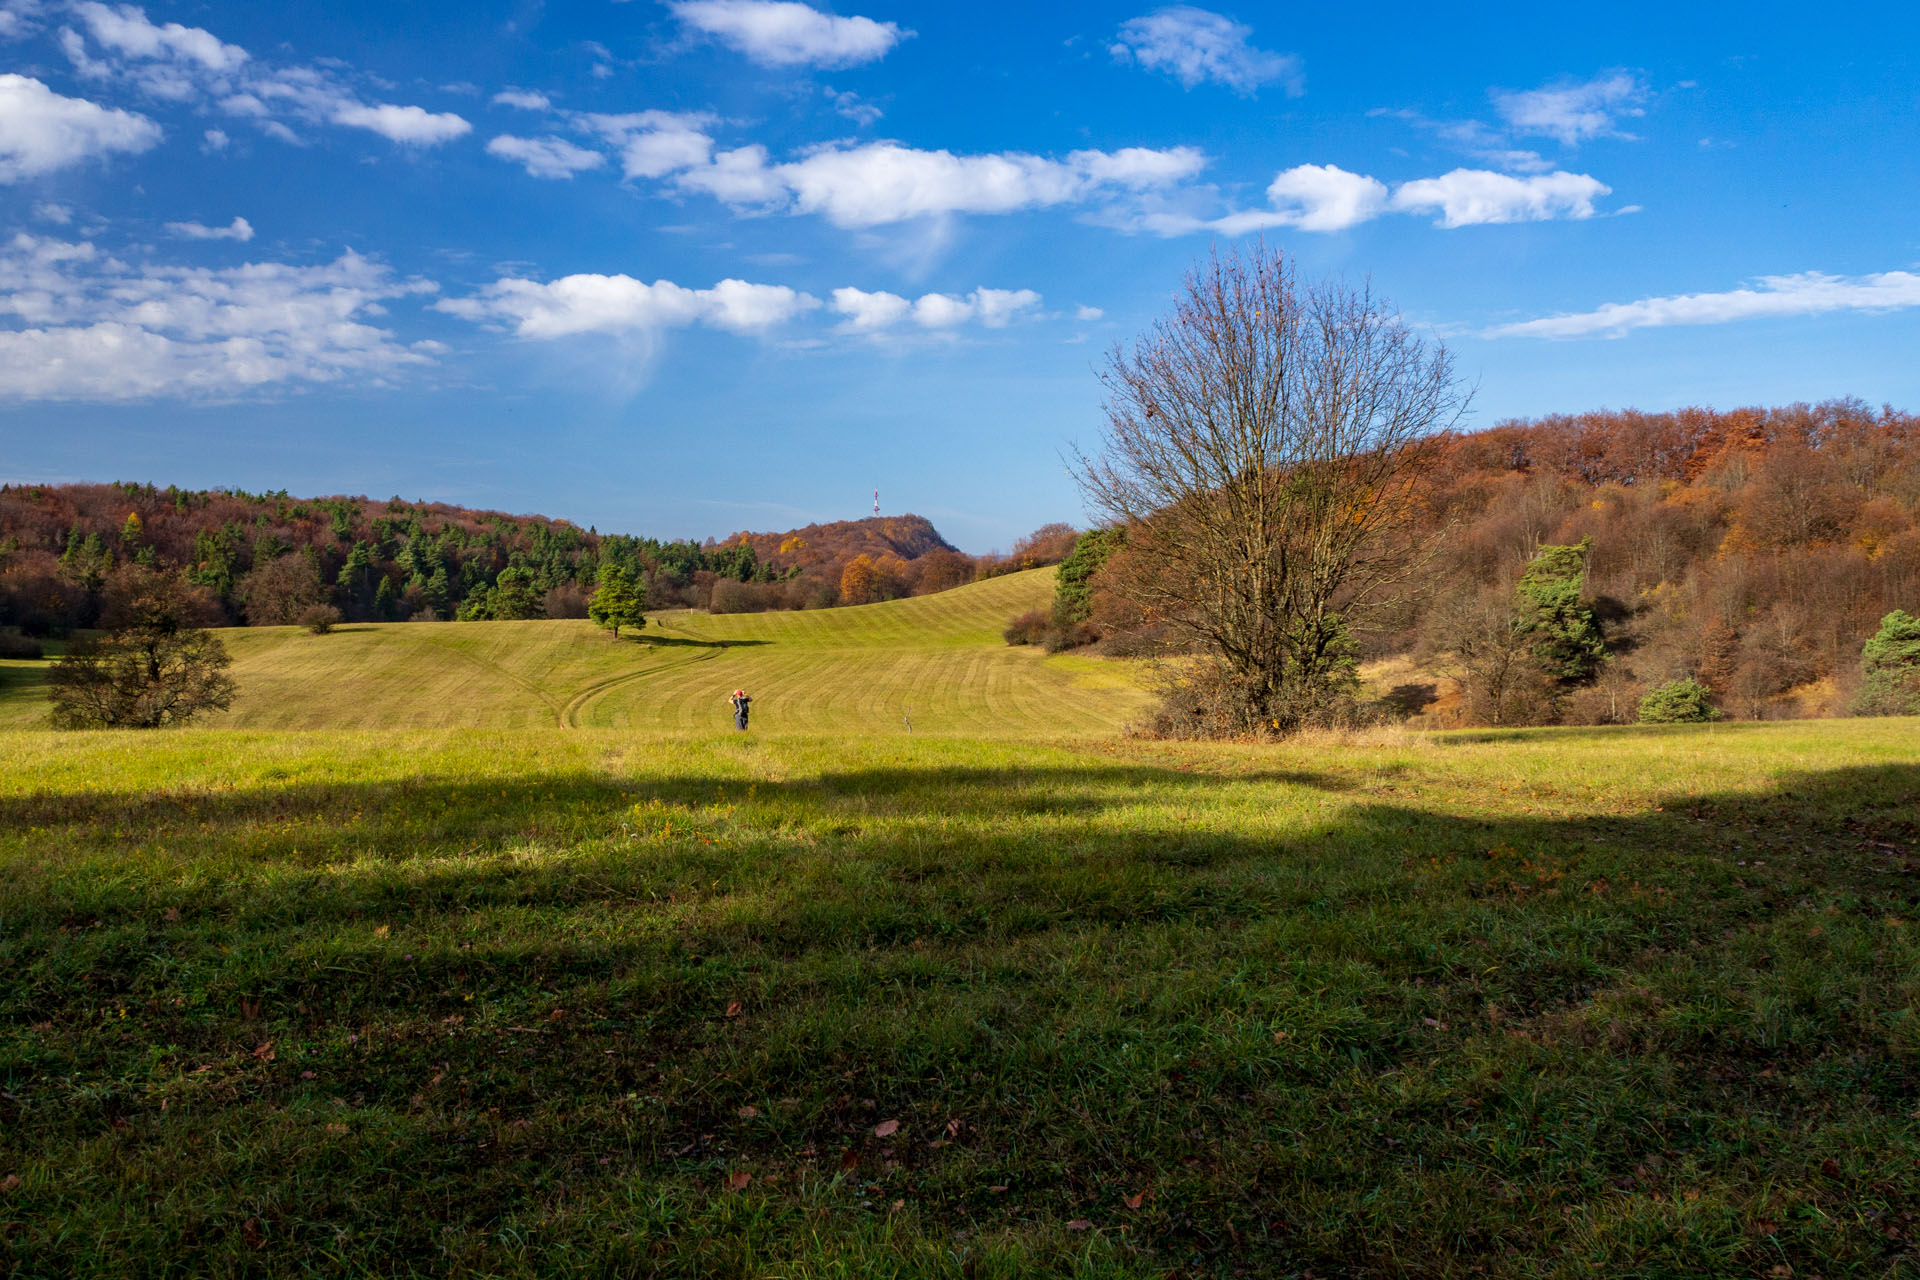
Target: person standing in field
<point>740,702</point>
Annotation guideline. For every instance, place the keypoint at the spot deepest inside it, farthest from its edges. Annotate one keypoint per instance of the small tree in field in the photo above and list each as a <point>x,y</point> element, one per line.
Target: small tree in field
<point>1263,455</point>
<point>1678,702</point>
<point>154,668</point>
<point>619,601</point>
<point>1890,668</point>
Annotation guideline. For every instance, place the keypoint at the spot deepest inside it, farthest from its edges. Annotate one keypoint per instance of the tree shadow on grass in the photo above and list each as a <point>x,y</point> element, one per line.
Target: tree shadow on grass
<point>1385,1035</point>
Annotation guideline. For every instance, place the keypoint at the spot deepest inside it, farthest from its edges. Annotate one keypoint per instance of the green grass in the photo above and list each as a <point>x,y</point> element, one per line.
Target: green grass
<point>937,662</point>
<point>1543,1003</point>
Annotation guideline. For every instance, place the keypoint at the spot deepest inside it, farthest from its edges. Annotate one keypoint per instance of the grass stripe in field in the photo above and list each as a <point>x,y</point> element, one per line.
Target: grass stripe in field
<point>848,671</point>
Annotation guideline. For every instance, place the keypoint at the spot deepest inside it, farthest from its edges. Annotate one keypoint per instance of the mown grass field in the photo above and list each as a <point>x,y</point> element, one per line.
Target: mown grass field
<point>935,663</point>
<point>590,1002</point>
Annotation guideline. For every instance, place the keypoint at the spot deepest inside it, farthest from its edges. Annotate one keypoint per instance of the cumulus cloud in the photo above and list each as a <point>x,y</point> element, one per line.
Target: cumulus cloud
<point>547,157</point>
<point>884,182</point>
<point>1469,197</point>
<point>88,326</point>
<point>1809,293</point>
<point>877,312</point>
<point>653,144</point>
<point>1574,112</point>
<point>620,304</point>
<point>239,229</point>
<point>1195,46</point>
<point>782,33</point>
<point>41,131</point>
<point>190,64</point>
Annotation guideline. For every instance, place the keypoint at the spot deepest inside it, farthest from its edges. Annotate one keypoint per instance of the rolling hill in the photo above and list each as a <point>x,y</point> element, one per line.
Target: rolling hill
<point>936,660</point>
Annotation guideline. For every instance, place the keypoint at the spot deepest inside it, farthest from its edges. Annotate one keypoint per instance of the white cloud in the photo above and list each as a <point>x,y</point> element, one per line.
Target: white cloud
<point>547,157</point>
<point>54,212</point>
<point>1195,45</point>
<point>41,131</point>
<point>870,311</point>
<point>190,64</point>
<point>875,312</point>
<point>1809,293</point>
<point>92,327</point>
<point>239,229</point>
<point>125,30</point>
<point>884,182</point>
<point>1468,197</point>
<point>617,304</point>
<point>782,33</point>
<point>1325,197</point>
<point>653,144</point>
<point>523,99</point>
<point>1572,112</point>
<point>1328,198</point>
<point>409,126</point>
<point>19,18</point>
<point>1088,314</point>
<point>214,140</point>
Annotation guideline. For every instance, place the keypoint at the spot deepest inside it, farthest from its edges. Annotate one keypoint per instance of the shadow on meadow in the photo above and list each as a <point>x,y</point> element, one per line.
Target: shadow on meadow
<point>1390,1040</point>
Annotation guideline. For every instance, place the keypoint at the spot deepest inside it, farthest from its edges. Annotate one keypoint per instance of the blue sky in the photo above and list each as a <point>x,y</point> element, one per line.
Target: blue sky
<point>689,267</point>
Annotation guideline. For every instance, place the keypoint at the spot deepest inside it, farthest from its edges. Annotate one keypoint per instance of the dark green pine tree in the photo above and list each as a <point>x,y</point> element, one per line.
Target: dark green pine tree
<point>619,601</point>
<point>1568,644</point>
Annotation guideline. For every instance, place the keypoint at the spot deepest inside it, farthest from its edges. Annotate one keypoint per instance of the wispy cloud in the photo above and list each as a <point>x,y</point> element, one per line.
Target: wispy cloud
<point>1574,111</point>
<point>1808,293</point>
<point>184,64</point>
<point>1328,198</point>
<point>239,229</point>
<point>1196,46</point>
<point>91,327</point>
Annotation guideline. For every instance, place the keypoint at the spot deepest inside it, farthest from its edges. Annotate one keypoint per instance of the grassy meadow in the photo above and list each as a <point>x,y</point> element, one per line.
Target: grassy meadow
<point>936,663</point>
<point>1011,996</point>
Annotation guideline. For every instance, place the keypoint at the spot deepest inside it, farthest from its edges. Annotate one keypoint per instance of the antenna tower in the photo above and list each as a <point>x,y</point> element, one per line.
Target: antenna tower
<point>876,502</point>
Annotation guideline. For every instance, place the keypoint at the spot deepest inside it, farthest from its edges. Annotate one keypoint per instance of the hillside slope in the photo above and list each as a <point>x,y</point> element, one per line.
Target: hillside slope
<point>936,659</point>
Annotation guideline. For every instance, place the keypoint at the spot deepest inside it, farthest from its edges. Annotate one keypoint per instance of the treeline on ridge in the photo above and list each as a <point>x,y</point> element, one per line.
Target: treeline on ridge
<point>269,558</point>
<point>1753,551</point>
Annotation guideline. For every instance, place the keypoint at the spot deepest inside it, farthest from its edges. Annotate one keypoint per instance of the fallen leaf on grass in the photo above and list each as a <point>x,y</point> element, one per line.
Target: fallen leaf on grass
<point>250,1232</point>
<point>849,1160</point>
<point>1135,1201</point>
<point>171,915</point>
<point>739,1181</point>
<point>886,1128</point>
<point>337,1128</point>
<point>953,1128</point>
<point>1830,1167</point>
<point>382,930</point>
<point>733,1008</point>
<point>997,1190</point>
<point>556,1015</point>
<point>748,1112</point>
<point>265,1051</point>
<point>1079,1224</point>
<point>9,1184</point>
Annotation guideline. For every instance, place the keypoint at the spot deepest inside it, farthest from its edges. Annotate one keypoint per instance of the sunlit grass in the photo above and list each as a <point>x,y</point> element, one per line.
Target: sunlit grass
<point>933,664</point>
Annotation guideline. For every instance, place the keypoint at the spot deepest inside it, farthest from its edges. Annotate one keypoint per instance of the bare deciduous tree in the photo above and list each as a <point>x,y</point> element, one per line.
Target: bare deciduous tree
<point>1263,451</point>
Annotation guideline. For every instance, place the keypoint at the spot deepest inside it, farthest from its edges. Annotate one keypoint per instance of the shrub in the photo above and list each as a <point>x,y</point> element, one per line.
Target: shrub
<point>319,618</point>
<point>1206,698</point>
<point>1678,702</point>
<point>1029,628</point>
<point>15,645</point>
